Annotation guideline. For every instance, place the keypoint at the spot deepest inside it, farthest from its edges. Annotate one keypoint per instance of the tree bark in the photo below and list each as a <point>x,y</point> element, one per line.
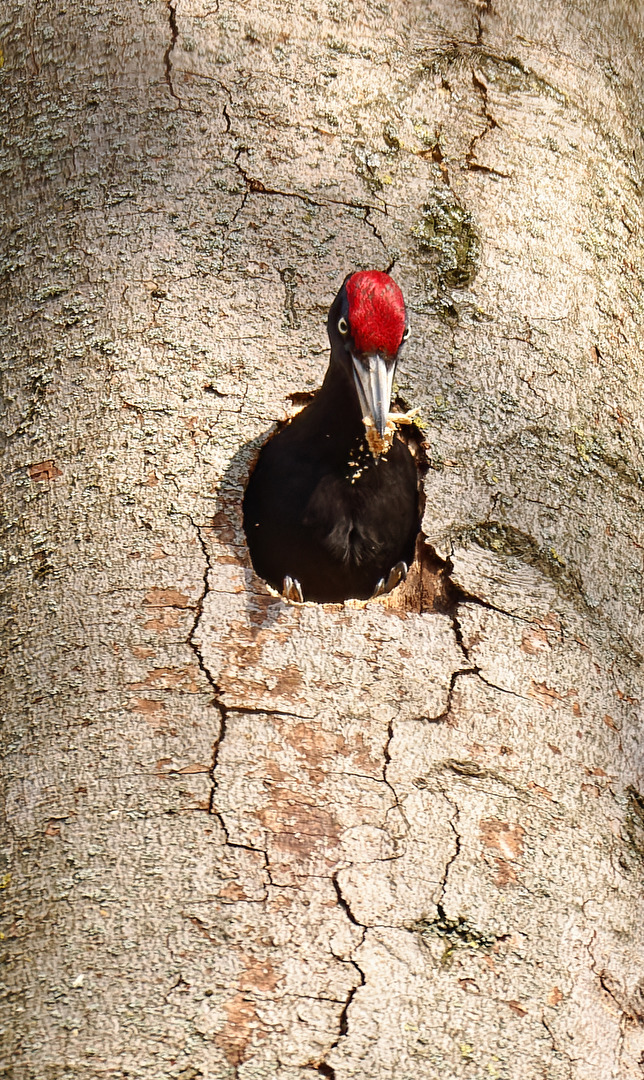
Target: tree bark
<point>392,840</point>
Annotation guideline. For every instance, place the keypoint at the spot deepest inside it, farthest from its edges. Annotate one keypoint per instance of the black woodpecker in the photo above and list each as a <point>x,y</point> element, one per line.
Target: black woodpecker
<point>331,509</point>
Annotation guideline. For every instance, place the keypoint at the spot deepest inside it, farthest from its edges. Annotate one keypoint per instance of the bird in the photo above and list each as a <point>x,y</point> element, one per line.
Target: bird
<point>331,509</point>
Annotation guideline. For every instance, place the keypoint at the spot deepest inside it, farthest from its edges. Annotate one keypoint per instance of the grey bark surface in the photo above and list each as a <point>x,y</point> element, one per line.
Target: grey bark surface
<point>385,841</point>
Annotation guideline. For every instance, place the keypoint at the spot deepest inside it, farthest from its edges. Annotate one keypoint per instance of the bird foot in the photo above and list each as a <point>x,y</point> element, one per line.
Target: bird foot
<point>397,574</point>
<point>292,590</point>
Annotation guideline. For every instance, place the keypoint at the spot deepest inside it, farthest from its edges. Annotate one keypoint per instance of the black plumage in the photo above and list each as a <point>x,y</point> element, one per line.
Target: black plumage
<point>320,508</point>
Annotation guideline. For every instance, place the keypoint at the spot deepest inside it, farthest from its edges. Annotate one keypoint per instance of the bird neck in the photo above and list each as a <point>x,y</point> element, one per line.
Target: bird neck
<point>336,407</point>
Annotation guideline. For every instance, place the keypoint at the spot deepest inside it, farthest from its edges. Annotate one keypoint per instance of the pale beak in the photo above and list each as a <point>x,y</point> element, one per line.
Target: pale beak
<point>374,380</point>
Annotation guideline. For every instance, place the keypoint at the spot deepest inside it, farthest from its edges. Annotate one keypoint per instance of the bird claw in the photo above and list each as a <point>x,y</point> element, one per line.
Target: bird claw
<point>397,574</point>
<point>379,589</point>
<point>292,590</point>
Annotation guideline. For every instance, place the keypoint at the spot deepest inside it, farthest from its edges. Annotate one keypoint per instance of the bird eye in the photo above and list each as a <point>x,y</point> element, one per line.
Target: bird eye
<point>406,334</point>
<point>343,326</point>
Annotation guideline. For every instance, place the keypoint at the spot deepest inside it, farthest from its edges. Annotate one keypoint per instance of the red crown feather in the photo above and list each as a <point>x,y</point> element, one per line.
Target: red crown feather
<point>376,312</point>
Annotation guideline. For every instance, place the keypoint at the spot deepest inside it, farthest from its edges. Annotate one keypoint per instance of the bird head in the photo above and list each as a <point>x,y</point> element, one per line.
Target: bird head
<point>367,326</point>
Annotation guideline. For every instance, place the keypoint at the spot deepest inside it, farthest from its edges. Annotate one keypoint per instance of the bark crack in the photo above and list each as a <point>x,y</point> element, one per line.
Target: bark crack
<point>450,693</point>
<point>454,596</point>
<point>199,609</point>
<point>474,669</point>
<point>323,1067</point>
<point>387,761</point>
<point>453,823</point>
<point>558,1050</point>
<point>344,904</point>
<point>490,123</point>
<point>167,56</point>
<point>502,689</point>
<point>250,710</point>
<point>258,187</point>
<point>625,1014</point>
<point>485,7</point>
<point>254,186</point>
<point>289,278</point>
<point>216,702</point>
<point>372,225</point>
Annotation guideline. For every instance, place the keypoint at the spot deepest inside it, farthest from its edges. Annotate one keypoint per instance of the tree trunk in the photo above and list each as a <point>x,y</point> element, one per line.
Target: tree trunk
<point>392,840</point>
